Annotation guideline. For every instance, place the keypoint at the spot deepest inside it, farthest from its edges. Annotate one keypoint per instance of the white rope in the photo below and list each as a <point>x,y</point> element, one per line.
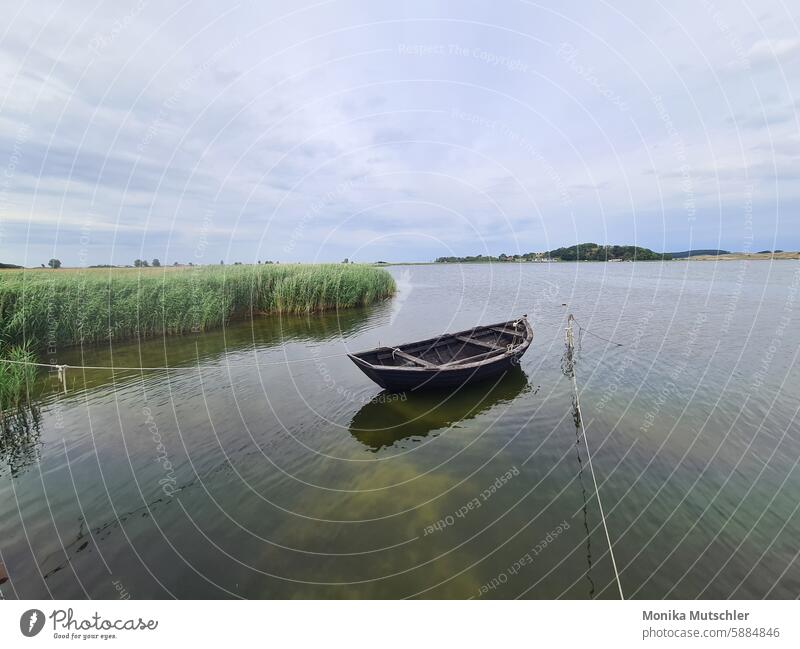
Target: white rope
<point>190,368</point>
<point>581,328</point>
<point>570,343</point>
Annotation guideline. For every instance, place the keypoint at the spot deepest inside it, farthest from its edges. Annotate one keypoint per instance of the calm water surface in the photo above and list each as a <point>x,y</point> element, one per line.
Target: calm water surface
<point>239,474</point>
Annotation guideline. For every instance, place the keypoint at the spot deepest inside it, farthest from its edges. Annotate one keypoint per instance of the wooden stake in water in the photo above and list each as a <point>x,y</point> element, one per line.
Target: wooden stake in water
<point>62,376</point>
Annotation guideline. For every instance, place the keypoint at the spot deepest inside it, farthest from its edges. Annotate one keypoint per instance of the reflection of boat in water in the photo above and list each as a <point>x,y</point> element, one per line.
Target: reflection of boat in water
<point>390,417</point>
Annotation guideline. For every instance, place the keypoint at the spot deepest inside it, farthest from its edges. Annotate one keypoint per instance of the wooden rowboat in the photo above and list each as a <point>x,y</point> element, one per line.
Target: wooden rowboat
<point>449,360</point>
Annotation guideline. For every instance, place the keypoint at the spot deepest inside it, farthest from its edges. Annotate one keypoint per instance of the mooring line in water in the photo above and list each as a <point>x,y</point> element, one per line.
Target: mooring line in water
<point>570,349</point>
<point>582,329</point>
<point>62,369</point>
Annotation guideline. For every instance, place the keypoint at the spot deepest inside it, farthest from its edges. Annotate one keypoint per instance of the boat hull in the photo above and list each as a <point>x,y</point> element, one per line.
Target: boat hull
<point>398,380</point>
<point>410,368</point>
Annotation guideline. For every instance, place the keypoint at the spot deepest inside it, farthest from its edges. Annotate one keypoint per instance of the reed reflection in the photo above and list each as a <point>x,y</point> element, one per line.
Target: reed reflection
<point>20,439</point>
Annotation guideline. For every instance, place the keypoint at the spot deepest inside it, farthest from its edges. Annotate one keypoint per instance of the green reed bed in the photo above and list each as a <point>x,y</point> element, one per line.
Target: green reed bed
<point>53,309</point>
<point>15,379</point>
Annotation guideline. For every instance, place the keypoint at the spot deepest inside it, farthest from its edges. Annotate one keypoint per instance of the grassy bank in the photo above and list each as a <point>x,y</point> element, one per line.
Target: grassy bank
<point>41,309</point>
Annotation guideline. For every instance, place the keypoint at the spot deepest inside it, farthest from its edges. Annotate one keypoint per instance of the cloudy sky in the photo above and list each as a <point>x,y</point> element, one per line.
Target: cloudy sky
<point>304,131</point>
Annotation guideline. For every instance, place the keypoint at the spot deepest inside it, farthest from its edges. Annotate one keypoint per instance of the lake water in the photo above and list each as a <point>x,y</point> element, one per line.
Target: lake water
<point>241,475</point>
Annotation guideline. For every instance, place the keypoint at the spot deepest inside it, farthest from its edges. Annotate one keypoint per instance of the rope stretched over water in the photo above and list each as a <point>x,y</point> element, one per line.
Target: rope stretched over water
<point>189,368</point>
<point>62,369</point>
<point>174,368</point>
<point>570,347</point>
<point>581,329</point>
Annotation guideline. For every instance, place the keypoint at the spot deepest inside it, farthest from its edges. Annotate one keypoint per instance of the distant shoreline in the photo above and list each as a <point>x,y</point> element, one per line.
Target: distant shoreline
<point>730,256</point>
<point>733,256</point>
<point>739,256</point>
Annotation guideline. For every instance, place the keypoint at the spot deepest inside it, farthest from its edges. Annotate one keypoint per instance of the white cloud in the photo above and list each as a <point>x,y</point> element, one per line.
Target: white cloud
<point>774,50</point>
<point>242,119</point>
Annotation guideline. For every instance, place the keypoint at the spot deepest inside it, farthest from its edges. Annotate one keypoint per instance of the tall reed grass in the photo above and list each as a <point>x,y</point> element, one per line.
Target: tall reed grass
<point>41,309</point>
<point>15,379</point>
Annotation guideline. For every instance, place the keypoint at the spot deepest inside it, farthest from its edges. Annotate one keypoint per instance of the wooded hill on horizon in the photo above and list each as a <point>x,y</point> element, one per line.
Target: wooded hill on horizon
<point>578,252</point>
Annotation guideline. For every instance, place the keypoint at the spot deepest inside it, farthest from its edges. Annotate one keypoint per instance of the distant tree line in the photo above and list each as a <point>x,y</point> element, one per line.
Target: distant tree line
<point>579,252</point>
<point>137,263</point>
<point>474,259</point>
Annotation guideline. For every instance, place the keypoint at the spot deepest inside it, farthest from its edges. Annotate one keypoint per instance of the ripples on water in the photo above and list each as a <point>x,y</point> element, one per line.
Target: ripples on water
<point>221,478</point>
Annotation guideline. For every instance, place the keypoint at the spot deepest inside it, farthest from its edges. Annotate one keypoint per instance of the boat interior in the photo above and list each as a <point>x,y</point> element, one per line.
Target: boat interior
<point>450,350</point>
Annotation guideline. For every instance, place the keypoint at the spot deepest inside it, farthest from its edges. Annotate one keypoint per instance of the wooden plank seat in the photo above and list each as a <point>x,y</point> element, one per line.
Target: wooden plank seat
<point>508,332</point>
<point>476,357</point>
<point>413,359</point>
<point>479,343</point>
